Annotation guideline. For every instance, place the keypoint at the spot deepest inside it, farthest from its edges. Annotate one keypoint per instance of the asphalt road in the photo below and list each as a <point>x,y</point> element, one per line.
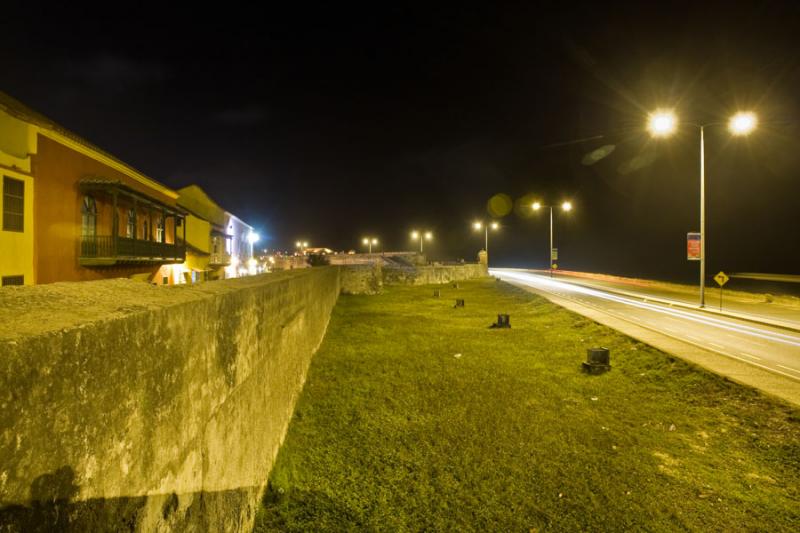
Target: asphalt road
<point>771,348</point>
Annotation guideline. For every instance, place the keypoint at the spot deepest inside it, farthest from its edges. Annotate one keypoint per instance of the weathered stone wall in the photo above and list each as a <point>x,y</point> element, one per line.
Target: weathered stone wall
<point>125,406</point>
<point>362,279</point>
<point>425,275</point>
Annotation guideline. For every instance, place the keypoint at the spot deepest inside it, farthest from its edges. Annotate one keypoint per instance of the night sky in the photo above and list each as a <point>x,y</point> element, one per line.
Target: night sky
<point>333,121</point>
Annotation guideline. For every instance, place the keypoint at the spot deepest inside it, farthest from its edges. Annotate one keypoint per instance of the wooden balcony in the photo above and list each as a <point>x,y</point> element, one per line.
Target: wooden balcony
<point>105,250</point>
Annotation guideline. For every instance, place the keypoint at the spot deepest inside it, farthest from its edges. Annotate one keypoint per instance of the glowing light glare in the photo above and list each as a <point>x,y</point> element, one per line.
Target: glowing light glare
<point>495,225</point>
<point>662,123</point>
<point>415,234</point>
<point>234,260</point>
<point>742,123</point>
<point>365,241</point>
<point>252,263</point>
<point>428,235</point>
<point>305,244</point>
<point>537,205</point>
<point>477,225</point>
<point>374,241</point>
<point>566,206</point>
<point>252,237</point>
<point>298,244</point>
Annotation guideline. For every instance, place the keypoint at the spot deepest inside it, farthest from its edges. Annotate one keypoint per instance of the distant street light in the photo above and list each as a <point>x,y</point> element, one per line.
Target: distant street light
<point>369,241</point>
<point>301,245</point>
<point>427,236</point>
<point>565,206</point>
<point>663,124</point>
<point>480,225</point>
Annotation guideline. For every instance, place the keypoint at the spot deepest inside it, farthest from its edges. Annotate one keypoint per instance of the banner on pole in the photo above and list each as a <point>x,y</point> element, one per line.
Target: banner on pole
<point>693,246</point>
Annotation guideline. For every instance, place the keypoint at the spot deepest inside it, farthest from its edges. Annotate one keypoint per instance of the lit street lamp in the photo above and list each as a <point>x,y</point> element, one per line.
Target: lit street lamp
<point>663,123</point>
<point>480,225</point>
<point>422,237</point>
<point>301,245</point>
<point>565,206</point>
<point>369,241</point>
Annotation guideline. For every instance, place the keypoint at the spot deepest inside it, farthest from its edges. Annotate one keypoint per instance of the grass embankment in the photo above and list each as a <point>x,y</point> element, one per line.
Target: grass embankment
<point>396,431</point>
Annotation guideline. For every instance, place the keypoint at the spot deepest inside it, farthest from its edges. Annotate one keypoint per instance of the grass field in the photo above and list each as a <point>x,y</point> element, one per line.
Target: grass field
<point>416,416</point>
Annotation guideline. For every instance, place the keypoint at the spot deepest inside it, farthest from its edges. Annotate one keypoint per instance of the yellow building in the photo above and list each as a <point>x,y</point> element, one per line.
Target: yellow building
<point>206,241</point>
<point>17,144</point>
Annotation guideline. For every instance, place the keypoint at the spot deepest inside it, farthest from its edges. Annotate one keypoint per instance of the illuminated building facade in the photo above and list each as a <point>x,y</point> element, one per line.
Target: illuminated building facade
<point>91,216</point>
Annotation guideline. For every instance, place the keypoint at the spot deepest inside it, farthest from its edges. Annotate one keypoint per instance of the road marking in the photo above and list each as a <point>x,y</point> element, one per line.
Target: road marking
<point>692,337</point>
<point>790,368</point>
<point>750,356</point>
<point>716,346</point>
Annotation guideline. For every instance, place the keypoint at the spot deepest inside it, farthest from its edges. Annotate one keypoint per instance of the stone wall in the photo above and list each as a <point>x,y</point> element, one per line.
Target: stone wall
<point>436,274</point>
<point>362,279</point>
<point>125,406</point>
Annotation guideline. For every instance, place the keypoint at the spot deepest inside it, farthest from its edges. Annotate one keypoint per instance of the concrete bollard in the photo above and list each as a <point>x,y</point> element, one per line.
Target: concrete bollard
<point>459,302</point>
<point>455,285</point>
<point>437,293</point>
<point>598,360</point>
<point>503,321</point>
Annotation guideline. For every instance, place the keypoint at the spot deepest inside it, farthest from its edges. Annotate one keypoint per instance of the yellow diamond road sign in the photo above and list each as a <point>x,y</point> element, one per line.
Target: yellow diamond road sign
<point>721,278</point>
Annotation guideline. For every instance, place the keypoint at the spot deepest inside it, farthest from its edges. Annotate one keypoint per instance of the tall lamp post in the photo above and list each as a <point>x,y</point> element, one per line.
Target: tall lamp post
<point>663,123</point>
<point>369,241</point>
<point>565,206</point>
<point>426,236</point>
<point>478,225</point>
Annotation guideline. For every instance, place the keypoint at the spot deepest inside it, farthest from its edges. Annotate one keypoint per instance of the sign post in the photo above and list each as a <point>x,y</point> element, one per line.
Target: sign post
<point>721,278</point>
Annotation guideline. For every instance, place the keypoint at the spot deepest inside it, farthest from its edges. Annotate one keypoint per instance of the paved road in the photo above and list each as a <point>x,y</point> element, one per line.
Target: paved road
<point>749,306</point>
<point>771,348</point>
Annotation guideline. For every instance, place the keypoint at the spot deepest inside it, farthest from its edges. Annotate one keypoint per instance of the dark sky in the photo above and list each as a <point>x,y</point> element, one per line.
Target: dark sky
<point>332,121</point>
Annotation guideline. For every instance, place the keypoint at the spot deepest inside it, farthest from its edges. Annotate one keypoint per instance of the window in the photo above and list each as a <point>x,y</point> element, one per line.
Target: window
<point>146,229</point>
<point>13,280</point>
<point>160,230</point>
<point>13,204</point>
<point>130,230</point>
<point>89,217</point>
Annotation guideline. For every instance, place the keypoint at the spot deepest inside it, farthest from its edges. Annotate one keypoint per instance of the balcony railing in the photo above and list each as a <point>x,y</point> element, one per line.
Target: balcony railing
<point>105,250</point>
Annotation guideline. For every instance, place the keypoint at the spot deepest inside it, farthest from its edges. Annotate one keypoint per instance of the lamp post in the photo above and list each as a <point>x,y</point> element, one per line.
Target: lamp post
<point>663,123</point>
<point>301,245</point>
<point>478,225</point>
<point>369,241</point>
<point>422,237</point>
<point>565,206</point>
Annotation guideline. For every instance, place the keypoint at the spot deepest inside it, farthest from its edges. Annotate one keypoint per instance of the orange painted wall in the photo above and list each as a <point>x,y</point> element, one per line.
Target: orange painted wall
<point>57,170</point>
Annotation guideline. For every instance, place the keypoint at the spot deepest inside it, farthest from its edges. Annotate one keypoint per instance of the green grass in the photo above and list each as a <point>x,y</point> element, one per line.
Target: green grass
<point>395,433</point>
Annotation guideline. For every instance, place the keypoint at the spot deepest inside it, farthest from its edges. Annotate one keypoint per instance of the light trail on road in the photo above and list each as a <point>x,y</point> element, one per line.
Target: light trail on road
<point>777,350</point>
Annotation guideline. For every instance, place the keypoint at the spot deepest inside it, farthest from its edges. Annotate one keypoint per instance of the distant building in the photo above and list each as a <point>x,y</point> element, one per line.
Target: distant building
<point>318,251</point>
<point>72,212</point>
<point>206,240</point>
<point>239,246</point>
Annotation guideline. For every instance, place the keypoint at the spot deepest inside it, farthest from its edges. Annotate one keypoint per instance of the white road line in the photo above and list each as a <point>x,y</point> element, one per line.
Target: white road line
<point>790,368</point>
<point>750,356</point>
<point>717,346</point>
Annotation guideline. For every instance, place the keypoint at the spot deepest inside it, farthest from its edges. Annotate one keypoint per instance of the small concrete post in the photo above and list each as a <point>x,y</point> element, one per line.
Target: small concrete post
<point>459,302</point>
<point>597,361</point>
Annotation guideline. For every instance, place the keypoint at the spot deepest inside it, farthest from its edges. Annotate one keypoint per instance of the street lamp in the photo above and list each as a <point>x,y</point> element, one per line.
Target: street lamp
<point>565,206</point>
<point>369,241</point>
<point>427,236</point>
<point>663,124</point>
<point>301,245</point>
<point>480,225</point>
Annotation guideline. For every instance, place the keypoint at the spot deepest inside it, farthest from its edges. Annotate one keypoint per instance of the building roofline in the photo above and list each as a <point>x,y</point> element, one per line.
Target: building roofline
<point>58,133</point>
